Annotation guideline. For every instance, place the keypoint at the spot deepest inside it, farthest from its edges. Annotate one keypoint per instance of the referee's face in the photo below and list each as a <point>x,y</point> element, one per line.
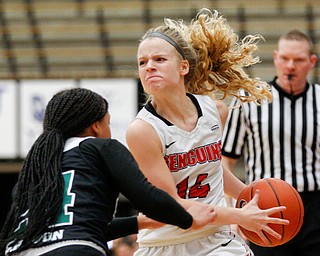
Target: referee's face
<point>293,59</point>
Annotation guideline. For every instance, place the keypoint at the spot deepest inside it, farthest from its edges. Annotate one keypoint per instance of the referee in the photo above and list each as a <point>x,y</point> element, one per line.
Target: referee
<point>282,139</point>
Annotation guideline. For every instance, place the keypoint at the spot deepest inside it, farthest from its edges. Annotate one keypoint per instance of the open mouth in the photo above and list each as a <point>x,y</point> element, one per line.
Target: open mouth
<point>290,77</point>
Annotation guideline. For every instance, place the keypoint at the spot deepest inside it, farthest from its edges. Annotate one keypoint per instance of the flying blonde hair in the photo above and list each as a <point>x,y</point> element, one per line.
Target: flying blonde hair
<point>216,56</point>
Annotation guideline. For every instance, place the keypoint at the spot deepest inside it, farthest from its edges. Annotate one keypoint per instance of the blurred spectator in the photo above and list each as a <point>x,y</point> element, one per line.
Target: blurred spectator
<point>124,246</point>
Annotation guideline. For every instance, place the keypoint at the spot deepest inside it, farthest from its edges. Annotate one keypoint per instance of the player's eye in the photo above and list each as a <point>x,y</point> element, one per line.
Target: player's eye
<point>141,62</point>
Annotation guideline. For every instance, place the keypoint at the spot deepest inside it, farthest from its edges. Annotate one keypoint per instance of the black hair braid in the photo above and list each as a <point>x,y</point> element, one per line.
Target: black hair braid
<point>73,115</point>
<point>39,189</point>
<point>40,184</point>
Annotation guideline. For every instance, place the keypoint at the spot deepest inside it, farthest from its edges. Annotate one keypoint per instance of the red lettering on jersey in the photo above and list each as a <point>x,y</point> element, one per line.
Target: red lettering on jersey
<point>214,151</point>
<point>173,162</point>
<point>200,155</point>
<point>182,161</point>
<point>192,160</point>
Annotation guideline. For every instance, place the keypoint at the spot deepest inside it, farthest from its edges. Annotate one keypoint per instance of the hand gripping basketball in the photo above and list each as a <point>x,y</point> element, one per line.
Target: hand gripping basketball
<point>273,193</point>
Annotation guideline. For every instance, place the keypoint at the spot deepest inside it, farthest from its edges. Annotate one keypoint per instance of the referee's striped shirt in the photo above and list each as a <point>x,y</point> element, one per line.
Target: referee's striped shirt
<point>280,139</point>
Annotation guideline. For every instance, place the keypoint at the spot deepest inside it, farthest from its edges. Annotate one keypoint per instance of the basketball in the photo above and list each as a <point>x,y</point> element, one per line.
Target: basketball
<point>274,192</point>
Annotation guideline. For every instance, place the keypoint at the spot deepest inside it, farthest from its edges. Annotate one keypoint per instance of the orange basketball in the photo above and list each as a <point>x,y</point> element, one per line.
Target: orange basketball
<point>274,192</point>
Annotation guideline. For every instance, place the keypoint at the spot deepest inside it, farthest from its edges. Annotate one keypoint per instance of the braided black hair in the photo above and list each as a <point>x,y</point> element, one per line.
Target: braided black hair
<point>40,184</point>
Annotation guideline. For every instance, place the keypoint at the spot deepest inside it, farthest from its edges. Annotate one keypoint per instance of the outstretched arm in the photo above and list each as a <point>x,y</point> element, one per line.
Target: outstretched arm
<point>148,199</point>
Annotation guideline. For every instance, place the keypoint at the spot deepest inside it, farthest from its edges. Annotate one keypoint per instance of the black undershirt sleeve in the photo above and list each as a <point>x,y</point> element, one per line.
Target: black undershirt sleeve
<point>120,227</point>
<point>153,202</point>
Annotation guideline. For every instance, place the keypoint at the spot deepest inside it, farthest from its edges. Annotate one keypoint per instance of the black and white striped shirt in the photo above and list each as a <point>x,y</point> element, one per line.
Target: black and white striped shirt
<point>280,139</point>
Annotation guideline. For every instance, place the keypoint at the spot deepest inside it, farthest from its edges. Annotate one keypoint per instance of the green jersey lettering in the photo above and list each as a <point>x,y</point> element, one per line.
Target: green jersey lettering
<point>66,215</point>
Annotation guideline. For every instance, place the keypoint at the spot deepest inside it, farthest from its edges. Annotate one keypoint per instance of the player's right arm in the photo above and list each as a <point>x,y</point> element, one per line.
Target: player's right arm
<point>153,202</point>
<point>146,148</point>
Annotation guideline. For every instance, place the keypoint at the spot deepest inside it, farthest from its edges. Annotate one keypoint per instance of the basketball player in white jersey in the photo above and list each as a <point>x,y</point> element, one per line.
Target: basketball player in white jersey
<point>176,137</point>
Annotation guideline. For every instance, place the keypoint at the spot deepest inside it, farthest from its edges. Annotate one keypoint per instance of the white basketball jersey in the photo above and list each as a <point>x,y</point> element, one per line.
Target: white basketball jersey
<point>194,159</point>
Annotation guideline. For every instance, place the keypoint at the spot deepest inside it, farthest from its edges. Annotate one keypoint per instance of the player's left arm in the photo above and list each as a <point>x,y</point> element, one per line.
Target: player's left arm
<point>232,185</point>
<point>223,111</point>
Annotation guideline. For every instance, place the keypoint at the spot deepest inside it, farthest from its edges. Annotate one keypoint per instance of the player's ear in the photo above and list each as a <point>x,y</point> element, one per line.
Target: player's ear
<point>95,128</point>
<point>91,130</point>
<point>184,67</point>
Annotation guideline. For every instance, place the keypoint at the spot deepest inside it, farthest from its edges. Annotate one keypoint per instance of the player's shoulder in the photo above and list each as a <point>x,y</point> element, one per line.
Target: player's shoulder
<point>223,109</point>
<point>139,129</point>
<point>96,144</point>
<point>221,105</point>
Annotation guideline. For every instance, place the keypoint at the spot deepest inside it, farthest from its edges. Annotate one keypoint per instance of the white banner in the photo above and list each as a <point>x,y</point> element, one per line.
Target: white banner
<point>122,97</point>
<point>22,108</point>
<point>34,97</point>
<point>8,120</point>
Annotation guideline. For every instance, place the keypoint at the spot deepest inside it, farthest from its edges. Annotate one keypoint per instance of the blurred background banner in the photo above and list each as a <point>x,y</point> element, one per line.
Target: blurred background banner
<point>33,98</point>
<point>22,108</point>
<point>121,95</point>
<point>8,120</point>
